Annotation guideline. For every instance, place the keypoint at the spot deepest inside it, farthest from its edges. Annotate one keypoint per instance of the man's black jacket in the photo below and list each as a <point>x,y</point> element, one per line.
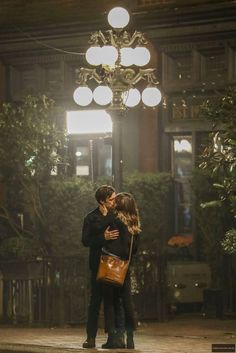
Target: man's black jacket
<point>93,230</point>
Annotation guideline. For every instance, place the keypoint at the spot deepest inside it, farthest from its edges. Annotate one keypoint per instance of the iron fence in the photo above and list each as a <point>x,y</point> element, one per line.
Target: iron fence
<point>55,291</point>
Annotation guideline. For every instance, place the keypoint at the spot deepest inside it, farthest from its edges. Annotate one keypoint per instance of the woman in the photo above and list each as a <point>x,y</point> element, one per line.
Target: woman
<point>126,220</point>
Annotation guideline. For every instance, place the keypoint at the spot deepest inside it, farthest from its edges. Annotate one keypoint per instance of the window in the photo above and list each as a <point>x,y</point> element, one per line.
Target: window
<point>182,65</point>
<point>213,65</point>
<point>88,122</point>
<point>181,169</point>
<point>178,68</point>
<point>91,146</point>
<point>92,157</point>
<point>82,160</point>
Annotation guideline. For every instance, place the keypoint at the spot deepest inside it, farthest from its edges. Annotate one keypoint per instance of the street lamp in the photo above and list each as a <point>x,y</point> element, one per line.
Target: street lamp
<point>119,62</point>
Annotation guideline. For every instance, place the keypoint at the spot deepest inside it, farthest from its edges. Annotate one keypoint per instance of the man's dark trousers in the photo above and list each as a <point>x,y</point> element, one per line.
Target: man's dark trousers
<point>96,298</point>
<point>94,306</point>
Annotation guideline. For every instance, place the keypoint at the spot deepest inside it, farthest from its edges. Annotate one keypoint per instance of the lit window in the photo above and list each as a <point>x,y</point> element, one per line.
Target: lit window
<point>88,122</point>
<point>82,160</point>
<point>182,165</point>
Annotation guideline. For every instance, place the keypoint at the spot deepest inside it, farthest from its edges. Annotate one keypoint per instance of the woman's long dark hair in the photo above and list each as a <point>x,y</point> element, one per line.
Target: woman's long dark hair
<point>127,211</point>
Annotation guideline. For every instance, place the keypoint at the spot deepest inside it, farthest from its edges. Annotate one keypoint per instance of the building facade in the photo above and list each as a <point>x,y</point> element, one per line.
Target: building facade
<point>193,49</point>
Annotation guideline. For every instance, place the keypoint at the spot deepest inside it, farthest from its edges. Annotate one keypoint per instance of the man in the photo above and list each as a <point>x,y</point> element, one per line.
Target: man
<point>95,234</point>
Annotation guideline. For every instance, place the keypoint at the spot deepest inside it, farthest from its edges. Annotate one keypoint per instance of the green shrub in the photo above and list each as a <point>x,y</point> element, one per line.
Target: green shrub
<point>152,193</point>
<point>211,222</point>
<point>65,203</point>
<point>229,242</point>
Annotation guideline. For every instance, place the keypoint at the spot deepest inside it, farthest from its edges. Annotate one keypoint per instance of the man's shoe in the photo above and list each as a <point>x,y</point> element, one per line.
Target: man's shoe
<point>130,339</point>
<point>89,343</point>
<point>130,344</point>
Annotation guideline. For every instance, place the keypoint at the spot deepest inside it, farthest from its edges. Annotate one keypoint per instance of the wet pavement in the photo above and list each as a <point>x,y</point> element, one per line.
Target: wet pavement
<point>184,334</point>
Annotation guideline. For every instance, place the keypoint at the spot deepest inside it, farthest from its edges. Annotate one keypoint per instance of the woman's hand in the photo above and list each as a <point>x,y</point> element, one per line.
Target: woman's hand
<point>103,209</point>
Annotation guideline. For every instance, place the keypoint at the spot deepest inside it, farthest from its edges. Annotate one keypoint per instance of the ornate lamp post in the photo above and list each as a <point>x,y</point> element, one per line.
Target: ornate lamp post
<point>117,58</point>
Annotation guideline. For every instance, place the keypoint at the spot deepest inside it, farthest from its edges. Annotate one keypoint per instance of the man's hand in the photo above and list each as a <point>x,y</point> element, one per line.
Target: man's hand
<point>111,234</point>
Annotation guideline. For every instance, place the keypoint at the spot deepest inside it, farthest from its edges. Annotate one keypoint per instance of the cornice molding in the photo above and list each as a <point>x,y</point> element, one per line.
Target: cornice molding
<point>44,59</point>
<point>189,46</point>
<point>162,27</point>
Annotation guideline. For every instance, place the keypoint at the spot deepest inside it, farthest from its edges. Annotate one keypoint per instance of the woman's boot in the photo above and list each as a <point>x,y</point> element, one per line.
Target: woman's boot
<point>130,339</point>
<point>111,340</point>
<point>120,339</point>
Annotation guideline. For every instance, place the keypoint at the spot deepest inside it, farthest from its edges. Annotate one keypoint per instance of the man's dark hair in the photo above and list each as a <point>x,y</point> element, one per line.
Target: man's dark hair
<point>103,192</point>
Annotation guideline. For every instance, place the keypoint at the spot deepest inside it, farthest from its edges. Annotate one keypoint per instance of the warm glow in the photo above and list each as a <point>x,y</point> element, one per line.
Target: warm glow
<point>131,98</point>
<point>83,96</point>
<point>102,95</point>
<point>151,96</point>
<point>93,55</point>
<point>88,122</point>
<point>182,146</point>
<point>118,17</point>
<point>186,145</point>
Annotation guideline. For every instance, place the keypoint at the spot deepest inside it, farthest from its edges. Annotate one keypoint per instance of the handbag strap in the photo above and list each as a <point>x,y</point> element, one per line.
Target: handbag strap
<point>131,246</point>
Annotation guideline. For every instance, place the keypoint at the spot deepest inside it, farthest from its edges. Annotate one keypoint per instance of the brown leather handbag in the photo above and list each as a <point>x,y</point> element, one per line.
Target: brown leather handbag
<point>112,269</point>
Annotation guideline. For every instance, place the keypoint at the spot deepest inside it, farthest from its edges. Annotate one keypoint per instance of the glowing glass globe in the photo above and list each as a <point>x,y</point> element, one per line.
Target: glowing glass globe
<point>83,96</point>
<point>102,95</point>
<point>109,55</point>
<point>131,98</point>
<point>93,55</point>
<point>127,56</point>
<point>118,17</point>
<point>151,96</point>
<point>142,56</point>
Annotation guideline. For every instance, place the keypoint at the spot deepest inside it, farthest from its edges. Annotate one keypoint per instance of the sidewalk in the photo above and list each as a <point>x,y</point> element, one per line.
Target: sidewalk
<point>182,334</point>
